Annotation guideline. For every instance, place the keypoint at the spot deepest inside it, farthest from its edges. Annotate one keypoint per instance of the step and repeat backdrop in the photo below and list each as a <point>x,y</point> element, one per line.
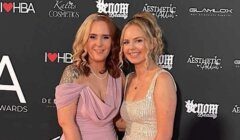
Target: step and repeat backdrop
<point>202,53</point>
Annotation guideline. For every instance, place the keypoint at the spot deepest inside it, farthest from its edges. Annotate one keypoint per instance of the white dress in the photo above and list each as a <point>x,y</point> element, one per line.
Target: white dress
<point>140,116</point>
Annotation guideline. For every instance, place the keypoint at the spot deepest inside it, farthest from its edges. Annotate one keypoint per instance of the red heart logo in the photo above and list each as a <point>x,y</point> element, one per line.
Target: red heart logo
<point>52,56</point>
<point>7,6</point>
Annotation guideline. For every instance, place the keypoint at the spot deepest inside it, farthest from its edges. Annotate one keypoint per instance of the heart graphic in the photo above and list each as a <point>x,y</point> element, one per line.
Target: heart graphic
<point>7,6</point>
<point>52,56</point>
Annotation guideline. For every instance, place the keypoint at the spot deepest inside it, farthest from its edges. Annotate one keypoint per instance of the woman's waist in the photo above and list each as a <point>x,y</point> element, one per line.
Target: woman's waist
<point>90,126</point>
<point>145,129</point>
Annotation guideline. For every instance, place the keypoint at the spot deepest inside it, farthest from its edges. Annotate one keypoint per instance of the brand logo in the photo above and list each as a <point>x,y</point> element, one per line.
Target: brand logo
<point>14,108</point>
<point>63,9</point>
<point>203,110</point>
<point>58,57</point>
<point>15,87</point>
<point>113,9</point>
<point>165,61</point>
<point>236,109</point>
<point>49,102</point>
<point>210,11</point>
<point>161,11</point>
<point>16,7</point>
<point>237,63</point>
<point>205,63</point>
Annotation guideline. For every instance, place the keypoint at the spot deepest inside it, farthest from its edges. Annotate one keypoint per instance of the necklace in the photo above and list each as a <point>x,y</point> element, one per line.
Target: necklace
<point>139,81</point>
<point>101,78</point>
<point>137,84</point>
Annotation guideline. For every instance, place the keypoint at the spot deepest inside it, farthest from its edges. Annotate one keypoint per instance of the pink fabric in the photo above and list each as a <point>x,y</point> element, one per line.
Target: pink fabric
<point>93,116</point>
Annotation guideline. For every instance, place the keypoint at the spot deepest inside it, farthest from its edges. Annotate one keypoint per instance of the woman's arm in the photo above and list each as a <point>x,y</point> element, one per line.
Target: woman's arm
<point>165,103</point>
<point>66,119</point>
<point>119,122</point>
<point>67,114</point>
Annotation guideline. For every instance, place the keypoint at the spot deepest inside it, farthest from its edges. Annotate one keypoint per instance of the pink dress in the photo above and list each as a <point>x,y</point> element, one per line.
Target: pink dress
<point>94,117</point>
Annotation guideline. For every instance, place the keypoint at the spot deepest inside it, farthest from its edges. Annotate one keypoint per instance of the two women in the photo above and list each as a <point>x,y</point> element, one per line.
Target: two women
<point>90,92</point>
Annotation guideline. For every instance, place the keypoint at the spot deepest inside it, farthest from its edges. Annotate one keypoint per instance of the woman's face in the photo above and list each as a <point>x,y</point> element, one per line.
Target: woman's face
<point>99,42</point>
<point>134,45</point>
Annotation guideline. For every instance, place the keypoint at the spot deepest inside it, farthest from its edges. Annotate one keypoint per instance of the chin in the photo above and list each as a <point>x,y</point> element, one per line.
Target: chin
<point>100,60</point>
<point>134,62</point>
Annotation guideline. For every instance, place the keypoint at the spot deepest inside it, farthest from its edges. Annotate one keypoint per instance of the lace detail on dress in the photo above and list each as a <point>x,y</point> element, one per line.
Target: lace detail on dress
<point>70,73</point>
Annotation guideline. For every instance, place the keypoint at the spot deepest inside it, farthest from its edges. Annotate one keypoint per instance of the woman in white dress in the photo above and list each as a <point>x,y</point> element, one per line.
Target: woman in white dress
<point>149,104</point>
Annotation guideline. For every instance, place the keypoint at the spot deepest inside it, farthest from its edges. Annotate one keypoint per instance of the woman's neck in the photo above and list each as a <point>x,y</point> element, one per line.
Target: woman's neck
<point>98,66</point>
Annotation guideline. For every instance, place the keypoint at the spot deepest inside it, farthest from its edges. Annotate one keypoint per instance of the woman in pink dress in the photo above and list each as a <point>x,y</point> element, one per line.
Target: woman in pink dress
<point>90,91</point>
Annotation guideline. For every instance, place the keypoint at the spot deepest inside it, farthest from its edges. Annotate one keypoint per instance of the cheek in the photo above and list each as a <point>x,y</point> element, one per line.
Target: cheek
<point>143,49</point>
<point>87,48</point>
<point>88,45</point>
<point>108,44</point>
<point>124,49</point>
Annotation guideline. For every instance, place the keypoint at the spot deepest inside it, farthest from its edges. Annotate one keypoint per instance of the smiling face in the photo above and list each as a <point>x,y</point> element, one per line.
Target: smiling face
<point>99,42</point>
<point>135,45</point>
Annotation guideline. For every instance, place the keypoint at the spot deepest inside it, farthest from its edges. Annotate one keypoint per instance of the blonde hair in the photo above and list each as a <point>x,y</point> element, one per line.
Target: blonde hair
<point>80,56</point>
<point>148,24</point>
<point>158,32</point>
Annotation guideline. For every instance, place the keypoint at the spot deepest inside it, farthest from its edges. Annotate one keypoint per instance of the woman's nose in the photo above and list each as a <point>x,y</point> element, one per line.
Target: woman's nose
<point>99,42</point>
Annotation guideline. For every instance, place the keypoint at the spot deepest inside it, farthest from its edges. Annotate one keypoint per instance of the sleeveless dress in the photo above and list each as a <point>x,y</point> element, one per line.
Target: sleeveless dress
<point>140,116</point>
<point>93,117</point>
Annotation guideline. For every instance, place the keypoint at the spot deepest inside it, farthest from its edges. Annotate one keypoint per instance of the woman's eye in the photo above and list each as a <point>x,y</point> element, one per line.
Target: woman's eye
<point>139,40</point>
<point>125,42</point>
<point>92,37</point>
<point>106,37</point>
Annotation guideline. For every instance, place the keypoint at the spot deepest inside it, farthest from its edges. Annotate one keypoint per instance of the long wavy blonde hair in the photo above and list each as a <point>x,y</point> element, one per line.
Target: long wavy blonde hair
<point>80,56</point>
<point>148,24</point>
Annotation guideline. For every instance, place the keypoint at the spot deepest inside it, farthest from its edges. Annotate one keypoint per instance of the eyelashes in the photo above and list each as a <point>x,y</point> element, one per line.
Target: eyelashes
<point>136,42</point>
<point>105,37</point>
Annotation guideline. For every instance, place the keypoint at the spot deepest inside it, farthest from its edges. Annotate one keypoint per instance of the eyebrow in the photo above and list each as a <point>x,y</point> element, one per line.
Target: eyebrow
<point>136,38</point>
<point>100,34</point>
